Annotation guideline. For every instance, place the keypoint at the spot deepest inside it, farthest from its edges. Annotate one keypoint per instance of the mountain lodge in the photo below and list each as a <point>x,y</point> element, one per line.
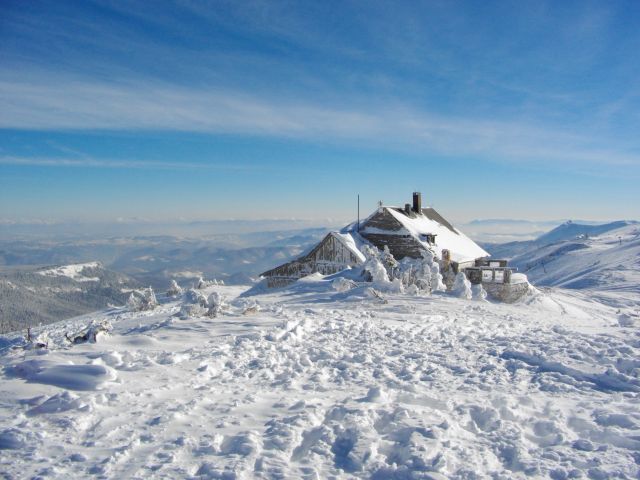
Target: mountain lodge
<point>407,232</point>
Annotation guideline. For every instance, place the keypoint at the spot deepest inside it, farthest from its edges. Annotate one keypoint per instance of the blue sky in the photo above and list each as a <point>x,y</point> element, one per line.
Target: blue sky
<point>213,110</point>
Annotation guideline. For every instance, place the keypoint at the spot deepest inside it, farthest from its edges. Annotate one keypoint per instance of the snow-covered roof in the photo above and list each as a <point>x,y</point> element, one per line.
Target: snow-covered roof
<point>462,248</point>
<point>351,242</point>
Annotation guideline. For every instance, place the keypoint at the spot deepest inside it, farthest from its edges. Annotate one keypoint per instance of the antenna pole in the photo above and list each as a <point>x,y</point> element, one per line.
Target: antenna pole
<point>358,213</point>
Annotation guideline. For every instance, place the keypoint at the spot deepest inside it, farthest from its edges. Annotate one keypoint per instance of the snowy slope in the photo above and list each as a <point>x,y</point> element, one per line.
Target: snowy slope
<point>571,230</point>
<point>605,264</point>
<point>315,383</point>
<point>75,272</point>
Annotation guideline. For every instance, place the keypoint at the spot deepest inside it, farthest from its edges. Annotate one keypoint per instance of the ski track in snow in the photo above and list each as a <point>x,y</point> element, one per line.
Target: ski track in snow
<point>317,387</point>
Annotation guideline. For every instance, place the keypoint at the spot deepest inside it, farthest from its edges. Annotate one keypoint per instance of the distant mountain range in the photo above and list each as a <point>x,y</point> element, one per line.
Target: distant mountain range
<point>572,230</point>
<point>603,258</point>
<point>45,281</point>
<point>154,260</point>
<point>509,230</point>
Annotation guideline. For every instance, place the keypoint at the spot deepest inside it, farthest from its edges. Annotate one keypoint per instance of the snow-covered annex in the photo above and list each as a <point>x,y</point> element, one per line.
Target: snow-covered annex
<point>410,233</point>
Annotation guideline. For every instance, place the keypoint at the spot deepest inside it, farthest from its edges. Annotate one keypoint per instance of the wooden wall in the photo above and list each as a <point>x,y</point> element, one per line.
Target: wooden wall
<point>400,246</point>
<point>328,257</point>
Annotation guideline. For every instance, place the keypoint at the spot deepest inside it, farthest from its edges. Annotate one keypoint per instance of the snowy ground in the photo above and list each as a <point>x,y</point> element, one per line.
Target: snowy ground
<point>321,384</point>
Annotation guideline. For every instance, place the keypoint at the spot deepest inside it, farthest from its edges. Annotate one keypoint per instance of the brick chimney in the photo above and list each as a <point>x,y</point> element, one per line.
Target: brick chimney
<point>417,202</point>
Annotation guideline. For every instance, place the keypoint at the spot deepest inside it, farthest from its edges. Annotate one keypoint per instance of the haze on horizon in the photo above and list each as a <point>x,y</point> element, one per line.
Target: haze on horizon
<point>250,110</point>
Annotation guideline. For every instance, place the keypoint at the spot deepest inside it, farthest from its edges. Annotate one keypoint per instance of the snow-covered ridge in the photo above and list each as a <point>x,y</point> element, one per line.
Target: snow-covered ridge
<point>605,264</point>
<point>325,381</point>
<point>74,271</point>
<point>572,230</point>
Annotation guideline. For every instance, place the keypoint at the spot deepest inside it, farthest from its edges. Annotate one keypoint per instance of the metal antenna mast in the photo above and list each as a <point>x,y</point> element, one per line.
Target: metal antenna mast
<point>358,213</point>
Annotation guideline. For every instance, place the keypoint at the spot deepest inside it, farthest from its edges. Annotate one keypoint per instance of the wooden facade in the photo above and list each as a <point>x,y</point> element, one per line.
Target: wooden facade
<point>330,256</point>
<point>400,244</point>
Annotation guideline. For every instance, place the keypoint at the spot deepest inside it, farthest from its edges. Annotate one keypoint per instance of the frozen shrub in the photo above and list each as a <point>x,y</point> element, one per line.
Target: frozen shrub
<point>197,305</point>
<point>40,341</point>
<point>192,310</point>
<point>216,304</point>
<point>194,304</point>
<point>437,282</point>
<point>194,297</point>
<point>375,294</point>
<point>388,274</point>
<point>174,290</point>
<point>201,283</point>
<point>377,273</point>
<point>423,273</point>
<point>412,290</point>
<point>141,300</point>
<point>461,287</point>
<point>394,286</point>
<point>342,284</point>
<point>478,292</point>
<point>388,260</point>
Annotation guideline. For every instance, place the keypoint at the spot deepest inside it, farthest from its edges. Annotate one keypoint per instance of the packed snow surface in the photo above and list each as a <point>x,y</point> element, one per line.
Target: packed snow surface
<point>316,381</point>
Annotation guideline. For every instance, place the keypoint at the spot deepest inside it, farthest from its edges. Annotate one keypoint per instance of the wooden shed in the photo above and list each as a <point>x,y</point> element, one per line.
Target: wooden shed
<point>335,252</point>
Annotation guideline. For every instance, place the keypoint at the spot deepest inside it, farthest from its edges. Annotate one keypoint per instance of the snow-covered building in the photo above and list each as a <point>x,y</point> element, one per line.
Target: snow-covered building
<point>409,231</point>
<point>405,232</point>
<point>335,252</point>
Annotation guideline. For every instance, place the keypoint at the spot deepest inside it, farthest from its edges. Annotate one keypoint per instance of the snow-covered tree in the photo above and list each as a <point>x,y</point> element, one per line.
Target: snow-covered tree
<point>141,300</point>
<point>194,305</point>
<point>388,260</point>
<point>216,304</point>
<point>478,292</point>
<point>374,267</point>
<point>342,284</point>
<point>174,290</point>
<point>197,305</point>
<point>390,275</point>
<point>461,287</point>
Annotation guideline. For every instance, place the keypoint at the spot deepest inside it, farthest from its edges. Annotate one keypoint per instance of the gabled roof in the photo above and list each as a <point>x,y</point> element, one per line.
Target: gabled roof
<point>353,244</point>
<point>345,239</point>
<point>462,248</point>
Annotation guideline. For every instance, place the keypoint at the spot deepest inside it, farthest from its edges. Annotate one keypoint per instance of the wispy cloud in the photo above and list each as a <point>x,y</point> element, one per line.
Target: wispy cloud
<point>68,104</point>
<point>123,164</point>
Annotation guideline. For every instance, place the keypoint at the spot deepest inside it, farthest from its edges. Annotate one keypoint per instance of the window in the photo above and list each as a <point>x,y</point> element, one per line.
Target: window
<point>427,237</point>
